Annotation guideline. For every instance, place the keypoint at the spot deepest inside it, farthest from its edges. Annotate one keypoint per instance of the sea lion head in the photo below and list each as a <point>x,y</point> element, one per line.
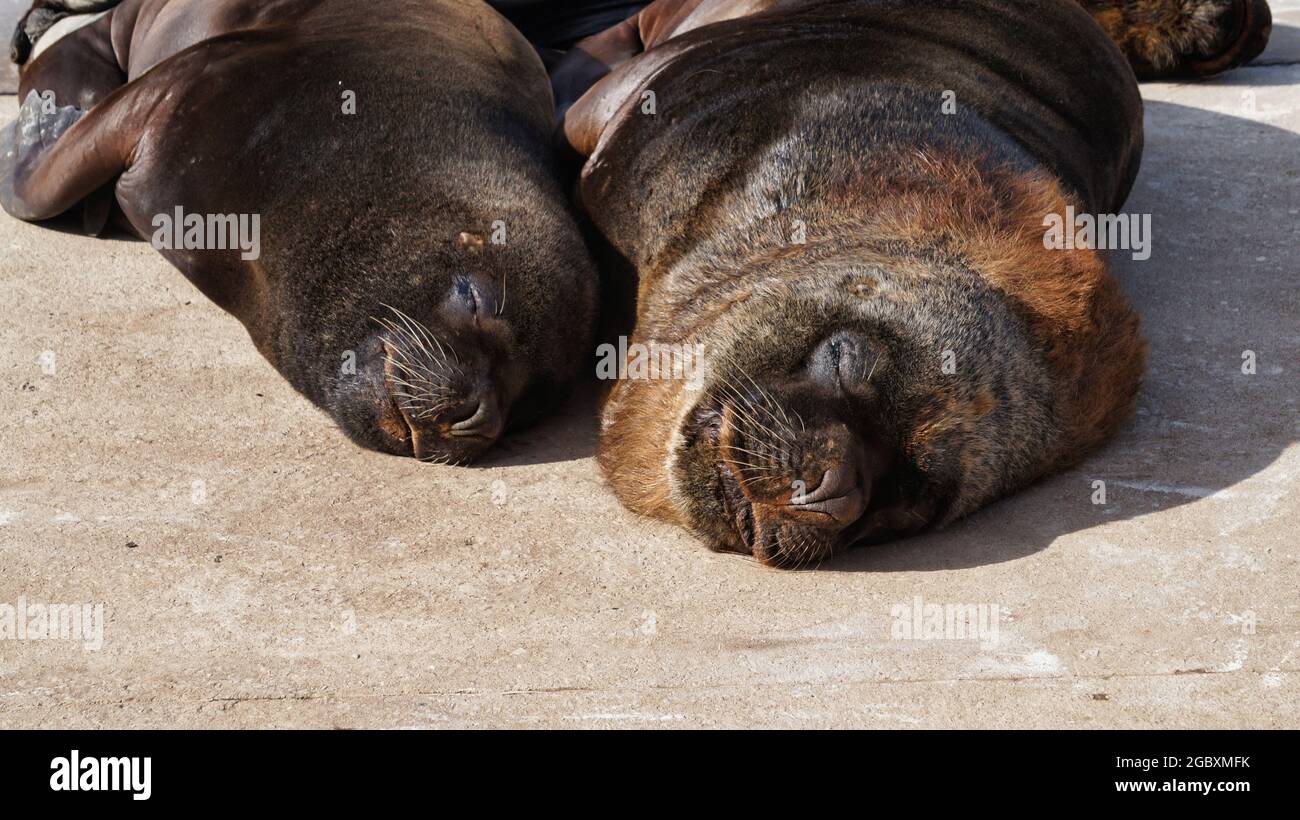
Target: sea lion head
<point>864,398</point>
<point>472,339</point>
<point>441,387</point>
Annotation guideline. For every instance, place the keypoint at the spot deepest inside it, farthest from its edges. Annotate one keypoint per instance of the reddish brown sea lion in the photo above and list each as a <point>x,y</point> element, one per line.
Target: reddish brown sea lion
<point>844,203</point>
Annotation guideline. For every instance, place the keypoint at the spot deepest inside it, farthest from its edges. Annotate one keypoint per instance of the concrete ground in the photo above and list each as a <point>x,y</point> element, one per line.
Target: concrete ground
<point>256,570</point>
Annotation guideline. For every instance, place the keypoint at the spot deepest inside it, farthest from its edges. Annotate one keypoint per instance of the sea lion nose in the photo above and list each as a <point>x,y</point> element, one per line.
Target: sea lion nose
<point>841,494</point>
<point>479,417</point>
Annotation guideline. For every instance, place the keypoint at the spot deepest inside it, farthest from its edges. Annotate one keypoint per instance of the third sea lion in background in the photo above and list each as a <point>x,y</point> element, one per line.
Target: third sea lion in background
<point>45,15</point>
<point>1184,38</point>
<point>383,157</point>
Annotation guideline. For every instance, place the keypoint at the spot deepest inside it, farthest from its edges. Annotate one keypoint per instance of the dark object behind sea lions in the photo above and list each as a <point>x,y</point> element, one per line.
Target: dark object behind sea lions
<point>558,25</point>
<point>41,16</point>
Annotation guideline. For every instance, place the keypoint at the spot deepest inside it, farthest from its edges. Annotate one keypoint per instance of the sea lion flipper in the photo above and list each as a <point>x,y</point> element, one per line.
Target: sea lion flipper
<point>597,78</point>
<point>52,157</point>
<point>591,59</point>
<point>97,210</point>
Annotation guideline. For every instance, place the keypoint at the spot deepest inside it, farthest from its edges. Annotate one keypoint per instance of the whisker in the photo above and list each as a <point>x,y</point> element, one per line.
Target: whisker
<point>738,399</point>
<point>760,407</point>
<point>422,336</point>
<point>874,362</point>
<point>768,399</point>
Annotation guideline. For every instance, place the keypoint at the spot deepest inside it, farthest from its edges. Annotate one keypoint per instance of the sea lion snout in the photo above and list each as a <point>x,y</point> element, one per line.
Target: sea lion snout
<point>480,417</point>
<point>439,399</point>
<point>790,484</point>
<point>440,427</point>
<point>461,432</point>
<point>840,496</point>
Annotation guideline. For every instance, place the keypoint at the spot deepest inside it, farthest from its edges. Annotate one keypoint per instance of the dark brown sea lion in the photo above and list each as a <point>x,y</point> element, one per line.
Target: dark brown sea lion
<point>844,203</point>
<point>420,275</point>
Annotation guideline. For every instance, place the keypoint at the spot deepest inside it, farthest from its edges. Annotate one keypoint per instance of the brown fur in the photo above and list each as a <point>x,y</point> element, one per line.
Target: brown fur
<point>989,218</point>
<point>994,220</point>
<point>1165,38</point>
<point>631,453</point>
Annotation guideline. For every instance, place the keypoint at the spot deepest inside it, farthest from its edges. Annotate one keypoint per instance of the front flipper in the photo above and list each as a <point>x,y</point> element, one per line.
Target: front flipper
<point>54,157</point>
<point>25,144</point>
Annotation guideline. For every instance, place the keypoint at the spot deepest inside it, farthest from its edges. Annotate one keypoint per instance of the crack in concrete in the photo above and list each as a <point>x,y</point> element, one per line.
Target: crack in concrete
<point>557,690</point>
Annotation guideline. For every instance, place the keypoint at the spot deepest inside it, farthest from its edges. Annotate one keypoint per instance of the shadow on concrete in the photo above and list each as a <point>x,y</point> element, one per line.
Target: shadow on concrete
<point>1224,194</point>
<point>1283,50</point>
<point>567,435</point>
<point>1283,46</point>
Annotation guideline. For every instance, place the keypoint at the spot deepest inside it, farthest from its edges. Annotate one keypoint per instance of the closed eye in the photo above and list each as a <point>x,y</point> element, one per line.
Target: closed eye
<point>465,302</point>
<point>845,360</point>
<point>464,292</point>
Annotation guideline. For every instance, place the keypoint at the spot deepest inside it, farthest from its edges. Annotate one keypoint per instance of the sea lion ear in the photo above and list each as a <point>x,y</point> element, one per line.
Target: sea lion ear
<point>845,360</point>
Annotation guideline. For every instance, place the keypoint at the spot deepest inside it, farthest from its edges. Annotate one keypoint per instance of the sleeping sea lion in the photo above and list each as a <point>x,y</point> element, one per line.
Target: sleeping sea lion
<point>847,205</point>
<point>417,274</point>
<point>843,204</point>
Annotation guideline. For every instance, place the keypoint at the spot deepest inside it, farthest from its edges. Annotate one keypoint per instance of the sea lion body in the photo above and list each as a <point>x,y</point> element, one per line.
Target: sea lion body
<point>843,203</point>
<point>420,276</point>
